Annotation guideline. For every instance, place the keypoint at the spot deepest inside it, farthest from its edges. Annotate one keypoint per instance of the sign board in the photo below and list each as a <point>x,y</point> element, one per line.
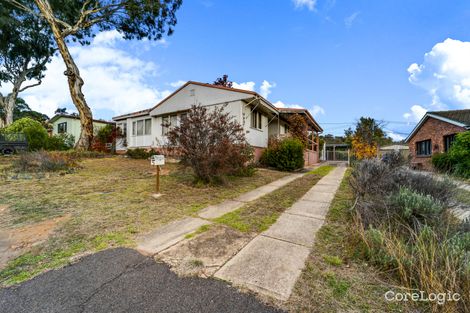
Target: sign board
<point>157,159</point>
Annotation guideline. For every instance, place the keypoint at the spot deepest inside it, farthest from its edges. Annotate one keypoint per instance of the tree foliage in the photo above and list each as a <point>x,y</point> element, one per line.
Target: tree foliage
<point>22,109</point>
<point>366,138</point>
<point>212,143</point>
<point>298,128</point>
<point>25,48</point>
<point>80,20</point>
<point>223,81</point>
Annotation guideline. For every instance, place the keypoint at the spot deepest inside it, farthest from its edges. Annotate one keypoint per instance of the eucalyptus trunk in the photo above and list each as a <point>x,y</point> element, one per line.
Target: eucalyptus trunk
<point>75,81</point>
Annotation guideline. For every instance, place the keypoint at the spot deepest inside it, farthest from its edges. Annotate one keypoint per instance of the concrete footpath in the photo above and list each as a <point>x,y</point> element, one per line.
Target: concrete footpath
<point>172,233</point>
<point>271,263</point>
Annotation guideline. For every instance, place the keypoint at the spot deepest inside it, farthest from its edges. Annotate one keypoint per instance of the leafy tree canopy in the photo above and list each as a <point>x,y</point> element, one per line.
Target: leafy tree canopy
<point>223,81</point>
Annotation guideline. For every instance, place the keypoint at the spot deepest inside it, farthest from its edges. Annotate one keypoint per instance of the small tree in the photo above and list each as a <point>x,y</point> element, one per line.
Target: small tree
<point>212,143</point>
<point>25,49</point>
<point>366,138</point>
<point>298,128</point>
<point>223,81</point>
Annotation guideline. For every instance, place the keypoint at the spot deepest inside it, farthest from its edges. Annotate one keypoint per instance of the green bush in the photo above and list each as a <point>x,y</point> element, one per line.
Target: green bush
<point>443,162</point>
<point>414,204</point>
<point>35,133</point>
<point>140,153</point>
<point>60,142</point>
<point>285,155</point>
<point>44,161</point>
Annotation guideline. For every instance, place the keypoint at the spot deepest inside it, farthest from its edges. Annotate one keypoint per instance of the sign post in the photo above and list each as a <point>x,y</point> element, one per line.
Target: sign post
<point>157,160</point>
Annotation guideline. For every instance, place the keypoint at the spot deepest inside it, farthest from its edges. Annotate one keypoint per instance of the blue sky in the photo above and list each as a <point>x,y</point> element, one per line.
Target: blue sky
<point>340,59</point>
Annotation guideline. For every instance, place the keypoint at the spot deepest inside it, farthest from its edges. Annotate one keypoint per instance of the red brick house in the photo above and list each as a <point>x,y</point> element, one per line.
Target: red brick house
<point>434,134</point>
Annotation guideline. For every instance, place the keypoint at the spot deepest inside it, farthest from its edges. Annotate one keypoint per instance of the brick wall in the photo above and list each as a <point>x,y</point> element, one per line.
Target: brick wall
<point>435,130</point>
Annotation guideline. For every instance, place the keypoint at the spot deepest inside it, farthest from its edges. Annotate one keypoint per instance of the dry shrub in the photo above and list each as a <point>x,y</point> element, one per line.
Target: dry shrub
<point>406,226</point>
<point>44,161</point>
<point>212,143</point>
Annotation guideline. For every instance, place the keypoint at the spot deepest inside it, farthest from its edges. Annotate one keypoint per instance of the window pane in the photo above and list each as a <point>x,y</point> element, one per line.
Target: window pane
<point>164,125</point>
<point>140,128</point>
<point>260,117</point>
<point>173,121</point>
<point>133,128</point>
<point>148,126</point>
<point>253,119</point>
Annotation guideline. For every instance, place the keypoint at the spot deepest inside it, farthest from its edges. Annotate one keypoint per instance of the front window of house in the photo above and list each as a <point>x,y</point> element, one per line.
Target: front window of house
<point>168,122</point>
<point>423,148</point>
<point>142,127</point>
<point>448,141</point>
<point>62,128</point>
<point>256,119</point>
<point>123,129</point>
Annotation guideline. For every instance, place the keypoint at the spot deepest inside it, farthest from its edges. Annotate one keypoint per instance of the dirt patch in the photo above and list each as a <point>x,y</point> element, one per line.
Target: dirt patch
<point>204,254</point>
<point>15,241</point>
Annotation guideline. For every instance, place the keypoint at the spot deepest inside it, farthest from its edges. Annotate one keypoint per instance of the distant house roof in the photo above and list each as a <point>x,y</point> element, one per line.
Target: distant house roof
<point>455,117</point>
<point>57,116</point>
<point>395,147</point>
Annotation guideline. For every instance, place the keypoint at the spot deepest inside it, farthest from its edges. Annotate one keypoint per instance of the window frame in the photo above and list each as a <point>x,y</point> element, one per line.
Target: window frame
<point>448,141</point>
<point>147,122</point>
<point>424,148</point>
<point>256,121</point>
<point>62,125</point>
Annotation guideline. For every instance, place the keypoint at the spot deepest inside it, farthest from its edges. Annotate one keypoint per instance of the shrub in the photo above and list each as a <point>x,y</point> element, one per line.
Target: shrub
<point>43,161</point>
<point>443,162</point>
<point>35,133</point>
<point>285,155</point>
<point>212,143</point>
<point>411,204</point>
<point>140,153</point>
<point>60,142</point>
<point>394,159</point>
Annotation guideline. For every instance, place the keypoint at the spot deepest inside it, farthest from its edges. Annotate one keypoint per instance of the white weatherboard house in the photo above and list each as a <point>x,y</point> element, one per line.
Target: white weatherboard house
<point>259,118</point>
<point>70,124</point>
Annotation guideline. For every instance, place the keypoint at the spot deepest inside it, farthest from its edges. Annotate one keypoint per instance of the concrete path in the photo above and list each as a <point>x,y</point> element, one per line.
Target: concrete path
<point>170,234</point>
<point>271,263</point>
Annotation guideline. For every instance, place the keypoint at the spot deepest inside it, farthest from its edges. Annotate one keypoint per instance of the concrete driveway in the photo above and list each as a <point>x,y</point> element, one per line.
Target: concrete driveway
<point>123,280</point>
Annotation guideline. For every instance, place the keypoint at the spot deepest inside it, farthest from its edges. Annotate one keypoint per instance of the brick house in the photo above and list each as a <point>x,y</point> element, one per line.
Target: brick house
<point>435,133</point>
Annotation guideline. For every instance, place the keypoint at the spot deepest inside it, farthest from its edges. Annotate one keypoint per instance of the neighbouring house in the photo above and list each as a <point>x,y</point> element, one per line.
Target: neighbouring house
<point>70,124</point>
<point>435,133</point>
<point>403,149</point>
<point>260,118</point>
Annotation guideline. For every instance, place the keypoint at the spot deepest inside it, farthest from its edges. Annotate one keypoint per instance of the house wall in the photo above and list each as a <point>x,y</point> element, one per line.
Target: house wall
<point>74,127</point>
<point>435,130</point>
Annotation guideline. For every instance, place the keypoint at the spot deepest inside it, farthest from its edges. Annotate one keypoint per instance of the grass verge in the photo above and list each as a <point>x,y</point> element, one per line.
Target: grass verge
<point>262,213</point>
<point>334,280</point>
<point>107,203</point>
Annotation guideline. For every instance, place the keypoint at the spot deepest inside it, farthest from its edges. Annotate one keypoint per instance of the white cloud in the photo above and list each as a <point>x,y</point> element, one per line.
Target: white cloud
<point>280,104</point>
<point>349,21</point>
<point>445,74</point>
<point>178,83</point>
<point>415,114</point>
<point>394,136</point>
<point>245,86</point>
<point>309,4</point>
<point>114,79</point>
<point>265,88</point>
<point>317,110</point>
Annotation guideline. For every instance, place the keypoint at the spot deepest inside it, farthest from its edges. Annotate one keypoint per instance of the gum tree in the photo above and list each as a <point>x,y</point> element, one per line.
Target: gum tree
<point>79,20</point>
<point>25,49</point>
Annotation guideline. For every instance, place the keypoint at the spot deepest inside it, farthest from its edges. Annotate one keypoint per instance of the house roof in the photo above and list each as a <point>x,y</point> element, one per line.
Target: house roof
<point>395,147</point>
<point>455,117</point>
<point>301,111</point>
<point>133,114</point>
<point>249,92</point>
<point>57,116</point>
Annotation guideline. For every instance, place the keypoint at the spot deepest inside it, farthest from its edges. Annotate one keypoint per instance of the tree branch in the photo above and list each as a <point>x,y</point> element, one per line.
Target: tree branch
<point>30,86</point>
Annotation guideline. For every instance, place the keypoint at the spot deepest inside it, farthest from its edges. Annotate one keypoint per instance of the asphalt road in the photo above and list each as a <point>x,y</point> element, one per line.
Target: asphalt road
<point>123,280</point>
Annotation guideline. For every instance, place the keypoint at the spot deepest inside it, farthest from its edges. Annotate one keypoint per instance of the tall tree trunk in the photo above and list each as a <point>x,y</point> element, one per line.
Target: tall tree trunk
<point>75,81</point>
<point>9,107</point>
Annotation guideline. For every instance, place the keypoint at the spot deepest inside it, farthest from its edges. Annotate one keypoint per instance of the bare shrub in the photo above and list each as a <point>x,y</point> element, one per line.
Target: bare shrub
<point>43,161</point>
<point>212,143</point>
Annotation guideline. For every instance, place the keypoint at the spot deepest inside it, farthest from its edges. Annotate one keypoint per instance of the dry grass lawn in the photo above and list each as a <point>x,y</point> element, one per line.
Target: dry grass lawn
<point>107,203</point>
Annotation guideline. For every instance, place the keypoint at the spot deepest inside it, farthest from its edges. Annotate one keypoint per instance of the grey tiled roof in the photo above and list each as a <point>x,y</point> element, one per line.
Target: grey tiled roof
<point>461,116</point>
